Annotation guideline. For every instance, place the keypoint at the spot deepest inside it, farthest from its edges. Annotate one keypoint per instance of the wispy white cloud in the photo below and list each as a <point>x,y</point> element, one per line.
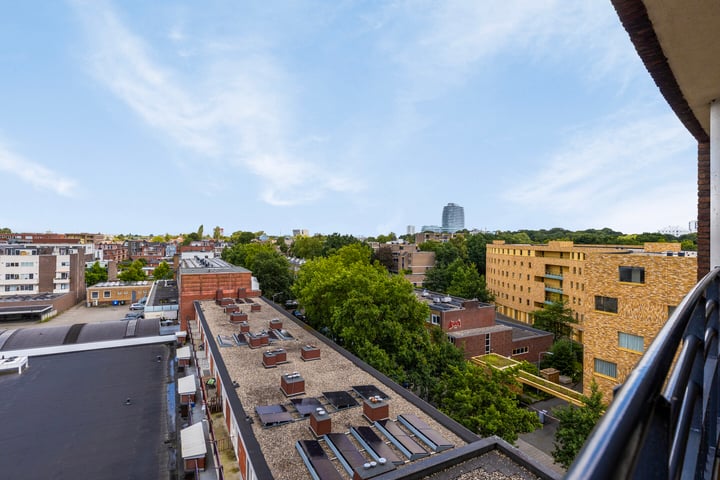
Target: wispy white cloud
<point>39,176</point>
<point>235,110</point>
<point>624,166</point>
<point>452,39</point>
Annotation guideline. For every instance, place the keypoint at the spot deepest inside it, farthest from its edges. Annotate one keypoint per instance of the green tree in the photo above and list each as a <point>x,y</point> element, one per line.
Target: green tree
<point>162,271</point>
<point>476,250</point>
<point>565,355</point>
<point>374,315</point>
<point>242,237</point>
<point>200,232</point>
<point>335,242</point>
<point>576,424</point>
<point>466,282</point>
<point>273,273</point>
<point>5,230</point>
<point>134,272</point>
<point>384,255</point>
<point>556,318</point>
<point>190,237</point>
<point>244,254</point>
<point>390,237</point>
<point>307,247</point>
<point>217,233</point>
<point>485,401</point>
<point>282,246</point>
<point>95,274</point>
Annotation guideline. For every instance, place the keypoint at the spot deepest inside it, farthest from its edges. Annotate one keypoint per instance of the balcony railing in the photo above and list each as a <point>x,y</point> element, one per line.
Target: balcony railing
<point>663,421</point>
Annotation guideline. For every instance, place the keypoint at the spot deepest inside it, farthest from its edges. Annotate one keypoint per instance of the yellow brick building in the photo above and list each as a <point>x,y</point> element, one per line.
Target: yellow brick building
<point>621,295</point>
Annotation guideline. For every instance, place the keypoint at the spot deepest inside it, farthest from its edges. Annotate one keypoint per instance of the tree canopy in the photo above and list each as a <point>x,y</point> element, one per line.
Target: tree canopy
<point>377,317</point>
<point>162,271</point>
<point>134,272</point>
<point>95,274</point>
<point>307,247</point>
<point>271,268</point>
<point>485,401</point>
<point>556,318</point>
<point>576,424</point>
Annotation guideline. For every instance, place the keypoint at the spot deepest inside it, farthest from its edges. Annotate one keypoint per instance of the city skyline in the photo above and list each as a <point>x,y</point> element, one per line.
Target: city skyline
<point>353,118</point>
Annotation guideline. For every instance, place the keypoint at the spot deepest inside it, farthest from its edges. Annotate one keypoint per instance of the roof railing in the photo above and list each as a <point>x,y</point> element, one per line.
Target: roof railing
<point>663,421</point>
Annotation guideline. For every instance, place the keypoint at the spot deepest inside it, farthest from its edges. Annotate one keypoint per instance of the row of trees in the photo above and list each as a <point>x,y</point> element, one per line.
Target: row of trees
<point>128,272</point>
<point>377,317</point>
<point>271,268</point>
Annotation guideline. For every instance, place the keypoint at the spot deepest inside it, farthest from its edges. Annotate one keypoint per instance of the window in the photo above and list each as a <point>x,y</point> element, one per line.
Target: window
<point>671,310</point>
<point>632,274</point>
<point>12,276</point>
<point>106,294</point>
<point>630,342</point>
<point>520,351</point>
<point>435,319</point>
<point>606,304</point>
<point>487,343</point>
<point>94,295</point>
<point>608,369</point>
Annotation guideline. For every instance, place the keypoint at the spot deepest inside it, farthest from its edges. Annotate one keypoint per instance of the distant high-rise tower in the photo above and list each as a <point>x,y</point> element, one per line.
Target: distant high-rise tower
<point>411,230</point>
<point>453,218</point>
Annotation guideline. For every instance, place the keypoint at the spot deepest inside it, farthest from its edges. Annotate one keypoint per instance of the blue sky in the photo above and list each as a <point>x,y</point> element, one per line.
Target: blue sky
<point>344,116</point>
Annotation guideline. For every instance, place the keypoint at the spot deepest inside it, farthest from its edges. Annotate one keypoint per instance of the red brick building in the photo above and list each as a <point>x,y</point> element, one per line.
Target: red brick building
<point>206,278</point>
<point>473,326</point>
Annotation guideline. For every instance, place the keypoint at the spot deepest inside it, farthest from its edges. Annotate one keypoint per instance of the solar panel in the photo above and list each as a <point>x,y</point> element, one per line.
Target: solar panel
<point>273,419</point>
<point>404,442</point>
<point>306,406</point>
<point>340,399</point>
<point>316,460</point>
<point>367,391</point>
<point>271,415</point>
<point>424,432</point>
<point>263,409</point>
<point>374,445</point>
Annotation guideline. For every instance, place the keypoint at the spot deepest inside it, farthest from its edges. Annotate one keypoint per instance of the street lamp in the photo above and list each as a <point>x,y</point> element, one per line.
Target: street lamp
<point>540,357</point>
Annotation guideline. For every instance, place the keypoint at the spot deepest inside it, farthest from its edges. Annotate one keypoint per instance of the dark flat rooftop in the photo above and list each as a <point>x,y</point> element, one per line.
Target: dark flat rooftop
<point>65,417</point>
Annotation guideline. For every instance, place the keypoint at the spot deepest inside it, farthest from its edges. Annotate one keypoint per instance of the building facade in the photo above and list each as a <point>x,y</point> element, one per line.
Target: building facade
<point>410,262</point>
<point>620,295</point>
<point>117,293</point>
<point>453,218</point>
<point>473,327</point>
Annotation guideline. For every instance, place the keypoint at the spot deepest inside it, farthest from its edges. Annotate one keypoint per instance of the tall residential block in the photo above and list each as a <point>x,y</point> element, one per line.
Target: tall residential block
<point>620,295</point>
<point>453,218</point>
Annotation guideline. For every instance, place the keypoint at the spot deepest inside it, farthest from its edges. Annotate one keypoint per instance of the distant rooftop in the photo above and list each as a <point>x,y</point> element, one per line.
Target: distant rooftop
<point>199,265</point>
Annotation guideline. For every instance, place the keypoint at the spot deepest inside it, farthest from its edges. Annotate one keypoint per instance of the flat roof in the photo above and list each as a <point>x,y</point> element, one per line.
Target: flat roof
<point>25,309</point>
<point>192,440</point>
<point>50,336</point>
<point>336,371</point>
<point>66,417</point>
<point>471,332</point>
<point>208,265</point>
<point>260,386</point>
<point>33,297</point>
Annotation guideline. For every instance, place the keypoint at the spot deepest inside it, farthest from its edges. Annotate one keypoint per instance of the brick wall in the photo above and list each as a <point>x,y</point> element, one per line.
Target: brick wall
<point>642,308</point>
<point>205,286</point>
<point>703,186</point>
